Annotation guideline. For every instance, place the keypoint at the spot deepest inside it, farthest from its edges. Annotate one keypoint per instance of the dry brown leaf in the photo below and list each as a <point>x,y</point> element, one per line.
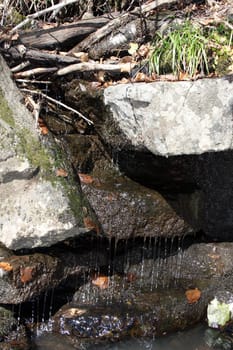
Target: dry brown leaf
<point>142,77</point>
<point>26,274</point>
<point>86,179</point>
<point>61,172</point>
<point>107,84</point>
<point>183,76</point>
<point>131,277</point>
<point>193,295</point>
<point>101,282</point>
<point>90,224</point>
<point>44,130</point>
<point>6,266</point>
<point>144,50</point>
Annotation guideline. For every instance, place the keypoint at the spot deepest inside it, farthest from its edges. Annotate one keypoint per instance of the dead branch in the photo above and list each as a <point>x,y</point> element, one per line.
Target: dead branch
<point>62,37</point>
<point>60,5</point>
<point>35,71</point>
<point>90,122</point>
<point>39,57</point>
<point>27,81</point>
<point>93,66</point>
<point>115,24</point>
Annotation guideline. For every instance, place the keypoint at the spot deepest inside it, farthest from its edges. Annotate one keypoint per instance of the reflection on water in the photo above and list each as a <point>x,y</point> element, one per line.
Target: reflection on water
<point>197,338</point>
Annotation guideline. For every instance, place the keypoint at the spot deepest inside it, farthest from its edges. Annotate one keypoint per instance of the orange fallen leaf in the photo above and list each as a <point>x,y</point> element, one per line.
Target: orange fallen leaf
<point>61,172</point>
<point>26,274</point>
<point>193,295</point>
<point>43,128</point>
<point>86,179</point>
<point>183,76</point>
<point>90,224</point>
<point>5,266</point>
<point>101,282</point>
<point>131,277</point>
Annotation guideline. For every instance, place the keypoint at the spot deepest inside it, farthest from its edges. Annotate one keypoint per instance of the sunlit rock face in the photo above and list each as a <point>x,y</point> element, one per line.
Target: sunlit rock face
<point>39,206</point>
<point>176,137</point>
<point>174,118</point>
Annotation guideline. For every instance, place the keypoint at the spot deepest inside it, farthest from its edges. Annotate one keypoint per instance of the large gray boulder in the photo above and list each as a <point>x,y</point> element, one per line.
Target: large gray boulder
<point>37,207</point>
<point>174,118</point>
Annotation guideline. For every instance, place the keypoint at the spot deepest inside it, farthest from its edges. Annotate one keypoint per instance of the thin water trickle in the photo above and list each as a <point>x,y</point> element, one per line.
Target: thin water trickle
<point>143,262</point>
<point>153,271</point>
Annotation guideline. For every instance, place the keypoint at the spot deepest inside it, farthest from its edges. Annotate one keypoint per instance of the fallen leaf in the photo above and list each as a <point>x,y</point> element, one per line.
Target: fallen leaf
<point>86,179</point>
<point>131,277</point>
<point>126,59</point>
<point>107,84</point>
<point>132,48</point>
<point>193,295</point>
<point>43,128</point>
<point>61,172</point>
<point>183,76</point>
<point>5,266</point>
<point>26,274</point>
<point>142,77</point>
<point>144,50</point>
<point>101,282</point>
<point>90,224</point>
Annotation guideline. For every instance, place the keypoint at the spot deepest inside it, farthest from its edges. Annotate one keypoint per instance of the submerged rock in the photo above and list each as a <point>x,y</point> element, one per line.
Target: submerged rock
<point>41,200</point>
<point>130,305</point>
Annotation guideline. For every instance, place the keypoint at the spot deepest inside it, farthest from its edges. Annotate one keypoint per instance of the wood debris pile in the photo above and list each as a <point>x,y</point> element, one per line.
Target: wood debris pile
<point>108,49</point>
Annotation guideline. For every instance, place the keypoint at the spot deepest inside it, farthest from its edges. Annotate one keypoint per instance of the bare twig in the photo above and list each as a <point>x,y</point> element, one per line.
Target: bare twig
<point>35,71</point>
<point>90,122</point>
<point>42,12</point>
<point>20,66</point>
<point>26,81</point>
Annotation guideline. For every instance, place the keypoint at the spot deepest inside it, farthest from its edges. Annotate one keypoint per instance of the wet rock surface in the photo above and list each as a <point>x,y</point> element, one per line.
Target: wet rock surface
<point>126,209</point>
<point>139,303</point>
<point>25,277</point>
<point>12,335</point>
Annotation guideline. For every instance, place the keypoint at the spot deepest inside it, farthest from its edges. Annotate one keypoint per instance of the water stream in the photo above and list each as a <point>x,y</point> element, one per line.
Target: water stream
<point>198,338</point>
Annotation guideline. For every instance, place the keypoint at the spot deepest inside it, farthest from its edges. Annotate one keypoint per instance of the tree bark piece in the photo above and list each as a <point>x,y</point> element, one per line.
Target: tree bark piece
<point>62,37</point>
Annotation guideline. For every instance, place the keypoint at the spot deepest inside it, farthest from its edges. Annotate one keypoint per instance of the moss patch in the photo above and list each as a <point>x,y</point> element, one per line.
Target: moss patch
<point>34,151</point>
<point>5,112</point>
